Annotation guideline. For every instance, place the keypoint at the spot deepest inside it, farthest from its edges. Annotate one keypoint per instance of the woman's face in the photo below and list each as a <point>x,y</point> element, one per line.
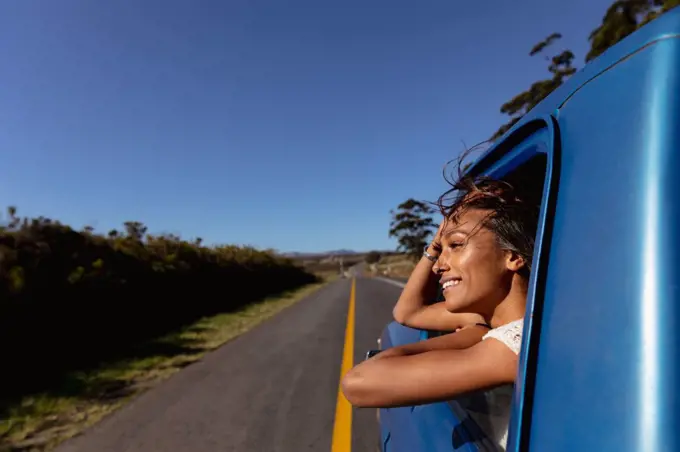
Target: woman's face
<point>476,274</point>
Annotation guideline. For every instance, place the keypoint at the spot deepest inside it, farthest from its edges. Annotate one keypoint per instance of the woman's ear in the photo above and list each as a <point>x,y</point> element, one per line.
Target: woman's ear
<point>513,261</point>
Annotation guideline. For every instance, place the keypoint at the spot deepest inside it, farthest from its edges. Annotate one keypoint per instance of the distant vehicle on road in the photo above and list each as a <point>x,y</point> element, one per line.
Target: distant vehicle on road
<point>599,364</point>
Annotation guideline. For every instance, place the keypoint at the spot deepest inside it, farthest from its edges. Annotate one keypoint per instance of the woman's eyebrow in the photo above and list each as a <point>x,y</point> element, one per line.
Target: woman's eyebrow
<point>455,231</point>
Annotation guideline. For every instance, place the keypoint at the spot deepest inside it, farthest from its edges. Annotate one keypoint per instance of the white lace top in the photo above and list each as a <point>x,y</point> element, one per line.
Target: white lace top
<point>496,418</point>
<point>510,334</point>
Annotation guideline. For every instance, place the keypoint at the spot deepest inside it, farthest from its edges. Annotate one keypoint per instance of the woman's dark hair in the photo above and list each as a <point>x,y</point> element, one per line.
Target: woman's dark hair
<point>513,212</point>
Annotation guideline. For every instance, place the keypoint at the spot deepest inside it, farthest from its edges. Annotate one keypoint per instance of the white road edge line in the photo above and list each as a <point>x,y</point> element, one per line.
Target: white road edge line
<point>391,281</point>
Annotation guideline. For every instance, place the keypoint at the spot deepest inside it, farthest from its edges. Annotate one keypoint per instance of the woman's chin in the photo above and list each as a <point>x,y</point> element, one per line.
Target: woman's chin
<point>454,305</point>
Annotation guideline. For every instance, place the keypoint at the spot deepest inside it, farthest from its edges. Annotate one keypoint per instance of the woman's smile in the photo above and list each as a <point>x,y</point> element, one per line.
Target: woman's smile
<point>449,282</point>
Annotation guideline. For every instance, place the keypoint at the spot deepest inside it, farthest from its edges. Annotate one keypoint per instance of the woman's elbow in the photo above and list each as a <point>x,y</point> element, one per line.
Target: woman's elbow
<point>400,317</point>
<point>355,389</point>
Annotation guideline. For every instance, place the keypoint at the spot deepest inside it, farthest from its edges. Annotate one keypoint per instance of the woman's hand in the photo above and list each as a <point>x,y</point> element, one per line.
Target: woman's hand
<point>435,247</point>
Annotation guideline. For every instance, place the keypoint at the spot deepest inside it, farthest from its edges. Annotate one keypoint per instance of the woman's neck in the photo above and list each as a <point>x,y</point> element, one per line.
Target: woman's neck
<point>513,306</point>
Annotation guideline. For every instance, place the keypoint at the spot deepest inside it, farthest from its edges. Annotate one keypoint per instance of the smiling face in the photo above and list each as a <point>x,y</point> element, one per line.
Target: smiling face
<point>476,273</point>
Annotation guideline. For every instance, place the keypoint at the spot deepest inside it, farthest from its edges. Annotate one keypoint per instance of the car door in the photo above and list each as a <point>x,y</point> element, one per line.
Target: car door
<point>397,429</point>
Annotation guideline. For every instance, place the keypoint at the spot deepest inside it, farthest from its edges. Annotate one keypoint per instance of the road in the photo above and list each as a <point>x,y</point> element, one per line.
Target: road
<point>273,389</point>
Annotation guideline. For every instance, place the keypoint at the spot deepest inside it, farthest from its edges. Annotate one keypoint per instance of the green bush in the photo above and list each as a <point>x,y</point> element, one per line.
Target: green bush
<point>70,299</point>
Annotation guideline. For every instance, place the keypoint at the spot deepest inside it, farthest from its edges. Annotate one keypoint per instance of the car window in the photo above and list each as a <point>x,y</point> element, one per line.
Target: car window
<point>526,161</point>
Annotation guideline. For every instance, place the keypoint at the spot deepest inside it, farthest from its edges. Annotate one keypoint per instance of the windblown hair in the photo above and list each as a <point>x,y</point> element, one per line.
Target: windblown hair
<point>513,212</point>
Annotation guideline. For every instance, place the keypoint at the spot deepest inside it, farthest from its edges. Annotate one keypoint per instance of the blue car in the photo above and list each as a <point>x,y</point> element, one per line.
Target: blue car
<point>600,360</point>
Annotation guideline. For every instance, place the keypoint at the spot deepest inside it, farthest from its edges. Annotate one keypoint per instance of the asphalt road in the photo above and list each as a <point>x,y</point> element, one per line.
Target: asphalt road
<point>273,389</point>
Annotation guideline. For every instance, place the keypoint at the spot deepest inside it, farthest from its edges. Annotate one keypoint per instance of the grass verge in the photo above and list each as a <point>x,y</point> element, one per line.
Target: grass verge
<point>396,266</point>
<point>41,421</point>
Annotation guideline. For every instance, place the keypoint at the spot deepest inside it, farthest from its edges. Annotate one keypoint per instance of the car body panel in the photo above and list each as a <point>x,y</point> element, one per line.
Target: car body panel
<point>617,287</point>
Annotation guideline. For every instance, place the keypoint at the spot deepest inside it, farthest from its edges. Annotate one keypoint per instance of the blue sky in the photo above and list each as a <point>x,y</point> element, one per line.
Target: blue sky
<point>295,125</point>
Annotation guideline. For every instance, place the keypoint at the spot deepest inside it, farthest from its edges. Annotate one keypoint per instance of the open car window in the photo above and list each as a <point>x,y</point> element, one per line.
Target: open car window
<point>487,418</point>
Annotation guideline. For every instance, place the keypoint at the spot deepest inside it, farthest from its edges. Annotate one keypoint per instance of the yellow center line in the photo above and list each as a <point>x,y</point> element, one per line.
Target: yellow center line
<point>342,429</point>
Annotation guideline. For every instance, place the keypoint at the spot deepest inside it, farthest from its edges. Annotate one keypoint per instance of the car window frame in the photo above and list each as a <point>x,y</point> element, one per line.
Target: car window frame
<point>539,136</point>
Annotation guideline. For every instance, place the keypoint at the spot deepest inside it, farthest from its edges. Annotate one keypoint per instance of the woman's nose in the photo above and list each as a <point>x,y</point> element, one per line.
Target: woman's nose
<point>440,267</point>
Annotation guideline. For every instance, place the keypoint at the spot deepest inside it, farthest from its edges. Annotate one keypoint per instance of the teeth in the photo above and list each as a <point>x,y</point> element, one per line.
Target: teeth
<point>452,282</point>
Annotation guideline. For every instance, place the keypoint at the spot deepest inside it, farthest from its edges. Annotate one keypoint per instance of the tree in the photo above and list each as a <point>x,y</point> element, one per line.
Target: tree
<point>561,67</point>
<point>373,257</point>
<point>14,220</point>
<point>622,18</point>
<point>412,225</point>
<point>135,230</point>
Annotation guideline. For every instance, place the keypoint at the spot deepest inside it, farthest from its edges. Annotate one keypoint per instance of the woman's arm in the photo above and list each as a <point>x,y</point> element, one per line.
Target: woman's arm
<point>420,290</point>
<point>429,373</point>
<point>434,317</point>
<point>464,338</point>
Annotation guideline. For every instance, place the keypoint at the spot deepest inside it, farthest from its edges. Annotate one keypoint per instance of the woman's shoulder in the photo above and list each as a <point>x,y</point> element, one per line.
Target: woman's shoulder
<point>509,334</point>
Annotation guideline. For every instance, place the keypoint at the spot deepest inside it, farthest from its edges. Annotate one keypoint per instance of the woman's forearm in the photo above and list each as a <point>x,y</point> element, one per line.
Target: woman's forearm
<point>465,338</point>
<point>434,375</point>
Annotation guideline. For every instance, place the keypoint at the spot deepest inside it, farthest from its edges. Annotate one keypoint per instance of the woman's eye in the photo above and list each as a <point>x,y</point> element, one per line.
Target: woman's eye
<point>455,245</point>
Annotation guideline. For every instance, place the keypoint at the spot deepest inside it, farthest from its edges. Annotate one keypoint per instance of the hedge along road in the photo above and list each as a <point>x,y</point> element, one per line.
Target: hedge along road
<point>275,388</point>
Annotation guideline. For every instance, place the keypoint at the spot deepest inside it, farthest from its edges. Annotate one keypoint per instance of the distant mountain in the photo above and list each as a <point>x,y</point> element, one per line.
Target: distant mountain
<point>325,253</point>
<point>340,252</point>
<point>297,255</point>
<point>343,252</point>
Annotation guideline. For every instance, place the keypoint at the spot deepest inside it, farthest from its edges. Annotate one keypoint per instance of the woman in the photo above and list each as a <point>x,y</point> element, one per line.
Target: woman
<point>481,258</point>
